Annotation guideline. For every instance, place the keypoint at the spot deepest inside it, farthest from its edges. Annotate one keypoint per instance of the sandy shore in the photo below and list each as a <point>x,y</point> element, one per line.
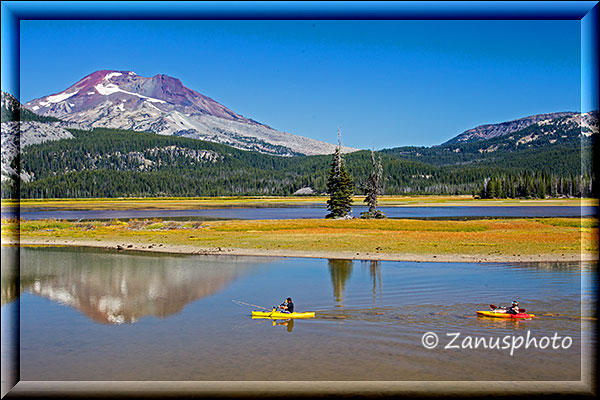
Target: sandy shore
<point>186,249</point>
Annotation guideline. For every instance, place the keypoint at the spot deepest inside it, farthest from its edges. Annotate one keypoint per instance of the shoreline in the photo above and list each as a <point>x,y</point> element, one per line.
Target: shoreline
<point>178,203</point>
<point>347,255</point>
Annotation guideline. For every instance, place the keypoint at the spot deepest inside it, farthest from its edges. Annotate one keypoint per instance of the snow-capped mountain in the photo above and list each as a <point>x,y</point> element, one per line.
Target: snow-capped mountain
<point>163,105</point>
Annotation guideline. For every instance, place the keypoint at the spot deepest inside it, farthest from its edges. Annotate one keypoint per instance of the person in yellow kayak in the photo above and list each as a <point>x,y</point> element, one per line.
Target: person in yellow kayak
<point>287,306</point>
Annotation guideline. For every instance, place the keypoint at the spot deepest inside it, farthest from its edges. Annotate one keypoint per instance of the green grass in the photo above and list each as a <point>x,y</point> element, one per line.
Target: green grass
<point>571,223</point>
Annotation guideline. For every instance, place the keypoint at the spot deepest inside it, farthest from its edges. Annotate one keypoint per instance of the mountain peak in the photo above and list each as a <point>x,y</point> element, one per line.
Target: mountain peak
<point>134,91</point>
<point>163,104</point>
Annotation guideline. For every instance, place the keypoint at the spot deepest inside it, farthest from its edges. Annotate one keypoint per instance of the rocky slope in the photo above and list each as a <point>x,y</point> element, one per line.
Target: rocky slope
<point>29,132</point>
<point>10,107</point>
<point>22,128</point>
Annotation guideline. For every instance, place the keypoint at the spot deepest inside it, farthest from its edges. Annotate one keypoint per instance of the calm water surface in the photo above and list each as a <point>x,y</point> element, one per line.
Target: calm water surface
<point>308,212</point>
<point>100,315</point>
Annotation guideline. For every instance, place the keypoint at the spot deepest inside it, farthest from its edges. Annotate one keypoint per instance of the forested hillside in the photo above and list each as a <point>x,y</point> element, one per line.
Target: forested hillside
<point>108,163</point>
<point>549,158</point>
<point>555,147</point>
<point>116,163</point>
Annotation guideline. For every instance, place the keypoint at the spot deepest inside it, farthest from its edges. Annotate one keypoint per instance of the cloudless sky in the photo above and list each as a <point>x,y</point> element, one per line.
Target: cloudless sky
<point>384,83</point>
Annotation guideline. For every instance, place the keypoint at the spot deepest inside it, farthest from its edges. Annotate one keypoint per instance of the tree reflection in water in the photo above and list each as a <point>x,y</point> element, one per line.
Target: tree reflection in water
<point>341,270</point>
<point>375,272</point>
<point>340,273</point>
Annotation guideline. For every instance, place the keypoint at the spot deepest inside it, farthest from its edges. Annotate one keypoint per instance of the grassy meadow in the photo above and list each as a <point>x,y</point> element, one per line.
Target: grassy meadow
<point>498,237</point>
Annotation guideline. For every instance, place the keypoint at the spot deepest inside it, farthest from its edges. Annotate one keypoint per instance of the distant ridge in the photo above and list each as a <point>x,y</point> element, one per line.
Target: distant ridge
<point>488,131</point>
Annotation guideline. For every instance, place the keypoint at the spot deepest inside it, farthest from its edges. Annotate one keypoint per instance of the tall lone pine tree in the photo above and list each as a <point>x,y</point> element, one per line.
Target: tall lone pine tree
<point>339,186</point>
<point>373,188</point>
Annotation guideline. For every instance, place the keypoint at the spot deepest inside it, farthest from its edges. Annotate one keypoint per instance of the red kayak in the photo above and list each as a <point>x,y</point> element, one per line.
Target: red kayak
<point>504,315</point>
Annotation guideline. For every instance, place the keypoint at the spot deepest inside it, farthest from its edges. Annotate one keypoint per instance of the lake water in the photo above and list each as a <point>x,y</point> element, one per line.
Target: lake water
<point>307,212</point>
<point>87,314</point>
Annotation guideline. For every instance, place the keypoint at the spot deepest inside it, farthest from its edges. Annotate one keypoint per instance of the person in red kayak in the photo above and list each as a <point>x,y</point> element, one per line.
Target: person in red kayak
<point>287,306</point>
<point>513,309</point>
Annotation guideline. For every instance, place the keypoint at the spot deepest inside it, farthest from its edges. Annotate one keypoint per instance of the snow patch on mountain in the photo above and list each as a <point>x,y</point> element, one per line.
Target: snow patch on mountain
<point>106,89</point>
<point>108,76</point>
<point>60,97</point>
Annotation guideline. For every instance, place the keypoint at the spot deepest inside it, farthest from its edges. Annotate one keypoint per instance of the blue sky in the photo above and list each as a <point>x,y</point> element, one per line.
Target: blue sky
<point>384,83</point>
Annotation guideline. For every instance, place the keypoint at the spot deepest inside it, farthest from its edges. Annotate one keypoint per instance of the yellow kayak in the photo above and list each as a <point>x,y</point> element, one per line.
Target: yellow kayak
<point>281,315</point>
<point>504,315</point>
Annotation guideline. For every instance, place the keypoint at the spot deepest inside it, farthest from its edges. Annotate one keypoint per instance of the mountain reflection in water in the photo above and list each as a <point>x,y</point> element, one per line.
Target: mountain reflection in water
<point>116,289</point>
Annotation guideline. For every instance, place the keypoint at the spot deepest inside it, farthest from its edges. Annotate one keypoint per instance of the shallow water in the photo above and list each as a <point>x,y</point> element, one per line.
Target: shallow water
<point>307,212</point>
<point>99,315</point>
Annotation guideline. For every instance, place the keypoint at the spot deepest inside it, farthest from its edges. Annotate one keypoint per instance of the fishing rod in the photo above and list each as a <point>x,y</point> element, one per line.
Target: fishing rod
<point>252,305</point>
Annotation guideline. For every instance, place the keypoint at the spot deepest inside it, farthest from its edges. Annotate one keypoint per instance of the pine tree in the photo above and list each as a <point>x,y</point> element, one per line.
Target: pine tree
<point>373,187</point>
<point>339,186</point>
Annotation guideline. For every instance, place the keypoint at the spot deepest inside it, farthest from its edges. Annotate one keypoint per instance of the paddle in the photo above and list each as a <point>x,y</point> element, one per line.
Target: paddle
<point>248,304</point>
